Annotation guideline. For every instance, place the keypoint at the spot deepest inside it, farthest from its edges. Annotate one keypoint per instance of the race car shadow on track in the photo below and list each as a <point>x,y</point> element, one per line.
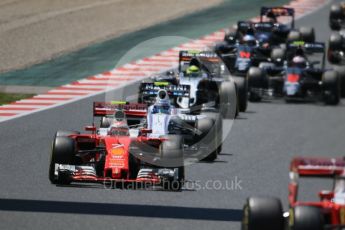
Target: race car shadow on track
<point>296,102</point>
<point>135,210</point>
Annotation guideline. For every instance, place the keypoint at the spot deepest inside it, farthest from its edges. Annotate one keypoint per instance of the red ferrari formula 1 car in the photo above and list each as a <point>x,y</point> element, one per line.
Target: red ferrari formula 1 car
<point>113,156</point>
<point>328,213</point>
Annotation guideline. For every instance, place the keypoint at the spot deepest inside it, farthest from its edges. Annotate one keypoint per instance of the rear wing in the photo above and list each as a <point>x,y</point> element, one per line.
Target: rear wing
<point>317,167</point>
<point>316,47</point>
<point>308,49</point>
<point>186,56</point>
<point>101,109</point>
<point>278,12</point>
<point>243,26</point>
<point>151,89</point>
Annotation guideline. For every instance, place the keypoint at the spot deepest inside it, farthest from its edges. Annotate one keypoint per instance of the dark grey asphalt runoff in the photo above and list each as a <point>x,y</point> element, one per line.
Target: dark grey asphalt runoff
<point>255,158</point>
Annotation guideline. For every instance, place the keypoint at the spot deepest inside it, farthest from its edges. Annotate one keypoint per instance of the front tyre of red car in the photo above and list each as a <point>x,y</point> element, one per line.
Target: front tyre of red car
<point>306,218</point>
<point>63,152</point>
<point>262,213</point>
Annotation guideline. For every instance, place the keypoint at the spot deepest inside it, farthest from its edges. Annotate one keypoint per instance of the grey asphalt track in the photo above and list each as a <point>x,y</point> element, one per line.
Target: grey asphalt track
<point>256,154</point>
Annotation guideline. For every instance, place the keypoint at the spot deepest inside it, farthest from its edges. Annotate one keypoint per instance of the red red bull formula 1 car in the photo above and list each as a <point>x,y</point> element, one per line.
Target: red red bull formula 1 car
<point>112,155</point>
<point>327,213</point>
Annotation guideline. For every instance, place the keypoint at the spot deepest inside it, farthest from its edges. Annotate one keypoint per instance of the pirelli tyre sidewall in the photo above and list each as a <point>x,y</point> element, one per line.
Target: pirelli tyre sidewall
<point>306,218</point>
<point>262,213</point>
<point>256,80</point>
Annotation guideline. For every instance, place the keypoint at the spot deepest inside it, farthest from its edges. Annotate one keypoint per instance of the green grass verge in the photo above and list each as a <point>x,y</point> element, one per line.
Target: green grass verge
<point>6,98</point>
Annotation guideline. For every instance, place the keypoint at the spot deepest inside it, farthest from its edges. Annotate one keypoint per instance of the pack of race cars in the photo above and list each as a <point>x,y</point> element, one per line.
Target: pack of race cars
<point>178,117</point>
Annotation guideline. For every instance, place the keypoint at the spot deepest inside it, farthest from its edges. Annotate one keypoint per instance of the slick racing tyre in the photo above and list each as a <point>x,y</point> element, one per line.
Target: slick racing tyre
<point>341,75</point>
<point>278,55</point>
<point>231,37</point>
<point>306,218</point>
<point>63,152</point>
<point>307,34</point>
<point>335,41</point>
<point>335,44</point>
<point>210,135</point>
<point>228,100</point>
<point>294,36</point>
<point>171,152</point>
<point>256,80</point>
<point>262,213</point>
<point>242,93</point>
<point>335,14</point>
<point>331,88</point>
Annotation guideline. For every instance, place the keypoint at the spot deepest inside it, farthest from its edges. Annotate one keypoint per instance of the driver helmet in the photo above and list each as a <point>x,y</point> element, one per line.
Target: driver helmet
<point>249,40</point>
<point>193,71</point>
<point>299,61</point>
<point>162,104</point>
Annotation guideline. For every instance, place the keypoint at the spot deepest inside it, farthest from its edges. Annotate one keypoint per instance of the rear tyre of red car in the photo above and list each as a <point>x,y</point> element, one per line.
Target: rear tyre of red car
<point>63,152</point>
<point>306,218</point>
<point>262,213</point>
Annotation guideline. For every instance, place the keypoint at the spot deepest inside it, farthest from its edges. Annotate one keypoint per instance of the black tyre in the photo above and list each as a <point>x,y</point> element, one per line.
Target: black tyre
<point>228,99</point>
<point>231,37</point>
<point>171,152</point>
<point>306,218</point>
<point>63,152</point>
<point>307,34</point>
<point>256,80</point>
<point>211,132</point>
<point>335,41</point>
<point>341,75</point>
<point>331,88</point>
<point>335,44</point>
<point>335,14</point>
<point>242,93</point>
<point>262,213</point>
<point>294,36</point>
<point>278,55</point>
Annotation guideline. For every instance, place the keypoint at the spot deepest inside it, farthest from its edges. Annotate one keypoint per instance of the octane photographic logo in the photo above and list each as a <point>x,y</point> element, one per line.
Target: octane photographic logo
<point>175,136</point>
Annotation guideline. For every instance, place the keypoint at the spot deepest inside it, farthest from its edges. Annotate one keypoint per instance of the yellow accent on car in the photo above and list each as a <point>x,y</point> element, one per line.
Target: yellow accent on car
<point>194,51</point>
<point>118,102</point>
<point>298,43</point>
<point>161,83</point>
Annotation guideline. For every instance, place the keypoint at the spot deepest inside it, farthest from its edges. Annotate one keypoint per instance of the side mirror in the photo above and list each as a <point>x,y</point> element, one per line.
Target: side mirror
<point>90,128</point>
<point>326,195</point>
